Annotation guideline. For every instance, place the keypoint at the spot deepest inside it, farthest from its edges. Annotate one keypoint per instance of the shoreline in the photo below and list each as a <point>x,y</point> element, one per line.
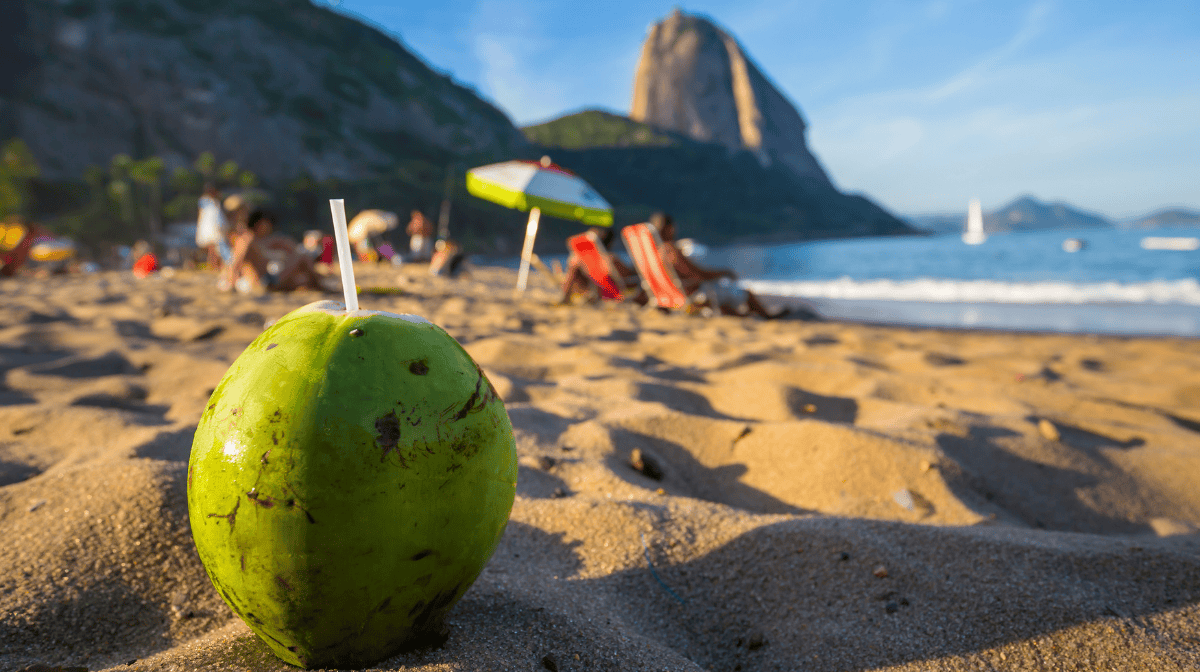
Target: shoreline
<point>1131,320</point>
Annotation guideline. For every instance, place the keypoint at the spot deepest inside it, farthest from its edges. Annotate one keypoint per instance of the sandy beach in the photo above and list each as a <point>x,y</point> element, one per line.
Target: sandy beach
<point>812,495</point>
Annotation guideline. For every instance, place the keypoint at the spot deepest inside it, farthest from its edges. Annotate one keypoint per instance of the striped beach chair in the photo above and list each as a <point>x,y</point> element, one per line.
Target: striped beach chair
<point>660,280</point>
<point>598,264</point>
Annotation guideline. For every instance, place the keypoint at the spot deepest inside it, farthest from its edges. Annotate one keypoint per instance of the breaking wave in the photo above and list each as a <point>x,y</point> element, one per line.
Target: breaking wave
<point>1181,292</point>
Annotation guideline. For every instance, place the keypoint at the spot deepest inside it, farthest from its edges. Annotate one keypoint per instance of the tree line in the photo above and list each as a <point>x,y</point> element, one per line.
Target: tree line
<point>126,200</point>
<point>136,198</point>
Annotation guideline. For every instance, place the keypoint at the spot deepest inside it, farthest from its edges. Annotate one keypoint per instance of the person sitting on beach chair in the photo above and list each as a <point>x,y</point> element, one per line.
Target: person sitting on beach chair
<point>676,281</point>
<point>252,264</point>
<point>591,268</point>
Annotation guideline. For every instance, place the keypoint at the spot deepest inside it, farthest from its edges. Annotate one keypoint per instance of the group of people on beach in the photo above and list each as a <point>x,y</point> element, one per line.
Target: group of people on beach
<point>241,243</point>
<point>708,290</point>
<point>249,253</point>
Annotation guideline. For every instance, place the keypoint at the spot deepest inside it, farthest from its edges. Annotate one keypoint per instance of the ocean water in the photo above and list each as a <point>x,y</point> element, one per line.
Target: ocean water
<point>1015,281</point>
<point>1012,282</point>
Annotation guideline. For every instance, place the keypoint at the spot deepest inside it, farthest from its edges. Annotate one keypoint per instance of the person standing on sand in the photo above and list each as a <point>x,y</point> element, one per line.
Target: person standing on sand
<point>420,242</point>
<point>716,284</point>
<point>212,229</point>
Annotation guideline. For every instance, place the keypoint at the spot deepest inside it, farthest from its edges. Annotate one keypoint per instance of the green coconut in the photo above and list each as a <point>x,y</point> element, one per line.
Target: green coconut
<point>349,479</point>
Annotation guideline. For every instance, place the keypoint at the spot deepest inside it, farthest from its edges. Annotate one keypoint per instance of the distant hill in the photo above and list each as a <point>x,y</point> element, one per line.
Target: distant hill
<point>315,103</point>
<point>283,86</point>
<point>718,195</point>
<point>1029,214</point>
<point>1025,213</point>
<point>1170,217</point>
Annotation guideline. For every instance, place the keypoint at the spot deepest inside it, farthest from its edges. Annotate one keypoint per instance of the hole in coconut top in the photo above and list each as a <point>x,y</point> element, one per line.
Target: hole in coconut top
<point>337,308</point>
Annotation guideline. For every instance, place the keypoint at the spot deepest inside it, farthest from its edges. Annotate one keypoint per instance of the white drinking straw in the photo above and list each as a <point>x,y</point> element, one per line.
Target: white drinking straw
<point>345,261</point>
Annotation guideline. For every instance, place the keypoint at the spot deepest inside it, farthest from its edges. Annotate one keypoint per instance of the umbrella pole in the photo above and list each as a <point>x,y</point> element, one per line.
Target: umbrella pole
<point>527,250</point>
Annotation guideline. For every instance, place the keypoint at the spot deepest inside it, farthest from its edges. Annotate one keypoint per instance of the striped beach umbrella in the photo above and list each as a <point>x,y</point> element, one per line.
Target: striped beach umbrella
<point>539,187</point>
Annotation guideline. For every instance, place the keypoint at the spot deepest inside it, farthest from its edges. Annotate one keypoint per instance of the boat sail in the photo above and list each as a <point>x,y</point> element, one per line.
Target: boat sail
<point>974,234</point>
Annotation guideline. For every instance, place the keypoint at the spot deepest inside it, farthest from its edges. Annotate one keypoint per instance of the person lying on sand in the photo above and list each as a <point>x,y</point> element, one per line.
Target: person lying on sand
<point>253,250</point>
<point>577,280</point>
<point>716,284</point>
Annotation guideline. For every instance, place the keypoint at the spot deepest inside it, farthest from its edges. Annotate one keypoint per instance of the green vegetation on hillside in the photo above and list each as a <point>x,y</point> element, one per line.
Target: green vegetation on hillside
<point>596,128</point>
<point>133,199</point>
<point>17,169</point>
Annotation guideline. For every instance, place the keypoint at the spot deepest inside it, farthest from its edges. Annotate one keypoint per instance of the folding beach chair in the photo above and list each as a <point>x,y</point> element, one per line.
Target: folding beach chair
<point>660,280</point>
<point>598,264</point>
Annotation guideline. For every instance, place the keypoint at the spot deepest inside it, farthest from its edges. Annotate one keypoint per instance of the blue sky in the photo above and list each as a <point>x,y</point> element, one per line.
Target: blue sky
<point>918,105</point>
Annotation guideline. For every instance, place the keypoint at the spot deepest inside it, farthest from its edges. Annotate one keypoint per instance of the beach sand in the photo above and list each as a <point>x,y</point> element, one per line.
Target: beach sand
<point>831,496</point>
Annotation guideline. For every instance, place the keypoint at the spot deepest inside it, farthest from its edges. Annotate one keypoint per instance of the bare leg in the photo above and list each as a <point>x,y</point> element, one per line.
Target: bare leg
<point>757,308</point>
<point>248,261</point>
<point>576,280</point>
<point>214,258</point>
<point>299,272</point>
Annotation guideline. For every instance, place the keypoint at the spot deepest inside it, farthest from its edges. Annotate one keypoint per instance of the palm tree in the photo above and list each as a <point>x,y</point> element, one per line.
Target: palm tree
<point>148,173</point>
<point>17,167</point>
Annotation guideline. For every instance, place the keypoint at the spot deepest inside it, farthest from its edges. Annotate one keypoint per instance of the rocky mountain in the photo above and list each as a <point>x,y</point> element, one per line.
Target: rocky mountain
<point>284,86</point>
<point>694,78</point>
<point>717,194</point>
<point>1025,213</point>
<point>319,105</point>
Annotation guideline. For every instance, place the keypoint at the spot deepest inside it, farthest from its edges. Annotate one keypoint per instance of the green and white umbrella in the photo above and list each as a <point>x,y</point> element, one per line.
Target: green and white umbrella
<point>539,187</point>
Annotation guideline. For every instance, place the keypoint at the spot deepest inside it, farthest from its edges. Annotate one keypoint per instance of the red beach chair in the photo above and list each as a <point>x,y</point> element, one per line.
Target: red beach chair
<point>598,264</point>
<point>660,280</point>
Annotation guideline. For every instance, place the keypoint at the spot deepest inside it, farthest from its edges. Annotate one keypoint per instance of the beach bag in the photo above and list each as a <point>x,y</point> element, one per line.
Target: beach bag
<point>145,265</point>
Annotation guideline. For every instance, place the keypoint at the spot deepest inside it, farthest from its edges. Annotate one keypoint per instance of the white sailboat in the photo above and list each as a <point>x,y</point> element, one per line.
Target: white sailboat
<point>974,234</point>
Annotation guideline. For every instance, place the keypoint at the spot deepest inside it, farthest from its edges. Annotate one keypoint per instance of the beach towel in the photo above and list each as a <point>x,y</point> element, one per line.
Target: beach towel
<point>660,280</point>
<point>52,249</point>
<point>598,264</point>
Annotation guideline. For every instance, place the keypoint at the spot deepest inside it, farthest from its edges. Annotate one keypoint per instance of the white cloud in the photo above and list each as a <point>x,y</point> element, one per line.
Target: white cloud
<point>511,46</point>
<point>1119,157</point>
<point>1031,27</point>
<point>1107,126</point>
<point>531,67</point>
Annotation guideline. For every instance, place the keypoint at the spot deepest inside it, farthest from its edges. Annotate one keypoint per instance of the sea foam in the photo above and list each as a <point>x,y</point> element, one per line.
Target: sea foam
<point>1181,292</point>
